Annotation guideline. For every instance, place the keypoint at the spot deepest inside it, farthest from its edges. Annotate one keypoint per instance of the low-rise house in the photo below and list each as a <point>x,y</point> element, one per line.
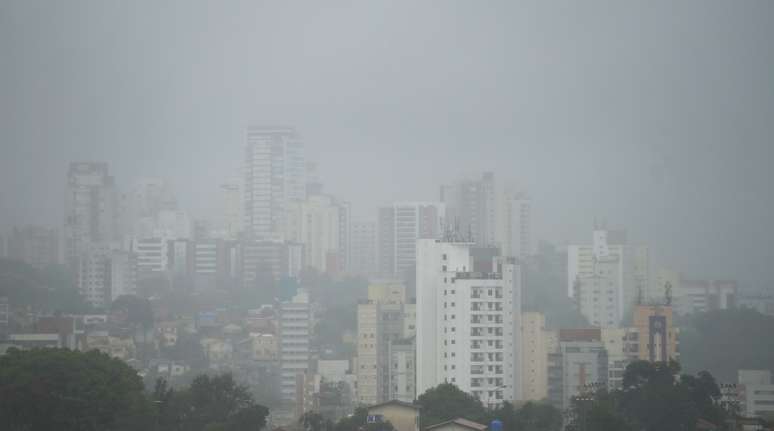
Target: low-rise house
<point>402,415</point>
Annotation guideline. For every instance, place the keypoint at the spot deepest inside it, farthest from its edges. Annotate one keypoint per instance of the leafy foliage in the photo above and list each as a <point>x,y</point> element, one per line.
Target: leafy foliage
<point>725,341</point>
<point>446,401</point>
<point>654,398</point>
<point>76,391</point>
<point>49,289</point>
<point>209,403</point>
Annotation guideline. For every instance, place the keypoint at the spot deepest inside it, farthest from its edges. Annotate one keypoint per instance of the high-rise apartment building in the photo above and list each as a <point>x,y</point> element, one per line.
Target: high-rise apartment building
<point>534,356</point>
<point>610,256</point>
<point>363,248</point>
<point>295,320</point>
<point>468,320</point>
<point>471,208</point>
<point>385,318</point>
<point>104,274</point>
<point>321,224</point>
<point>231,208</point>
<point>275,176</point>
<point>598,295</point>
<point>91,209</point>
<point>399,228</point>
<point>516,225</point>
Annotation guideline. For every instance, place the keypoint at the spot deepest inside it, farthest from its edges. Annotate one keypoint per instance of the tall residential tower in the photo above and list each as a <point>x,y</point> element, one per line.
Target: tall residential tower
<point>275,176</point>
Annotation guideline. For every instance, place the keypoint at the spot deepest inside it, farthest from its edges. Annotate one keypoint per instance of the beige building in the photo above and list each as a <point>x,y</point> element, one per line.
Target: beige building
<point>382,319</point>
<point>535,356</point>
<point>265,346</point>
<point>656,335</point>
<point>403,416</point>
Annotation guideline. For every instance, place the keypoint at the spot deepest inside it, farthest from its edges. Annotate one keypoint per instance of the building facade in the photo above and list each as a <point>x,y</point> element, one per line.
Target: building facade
<point>275,176</point>
<point>534,357</point>
<point>468,321</point>
<point>399,228</point>
<point>91,209</point>
<point>363,248</point>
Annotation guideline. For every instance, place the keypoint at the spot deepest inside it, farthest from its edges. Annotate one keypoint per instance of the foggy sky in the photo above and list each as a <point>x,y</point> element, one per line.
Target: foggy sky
<point>655,116</point>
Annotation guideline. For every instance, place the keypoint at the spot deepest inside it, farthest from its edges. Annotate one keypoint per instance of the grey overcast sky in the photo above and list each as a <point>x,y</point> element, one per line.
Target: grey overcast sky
<point>657,116</point>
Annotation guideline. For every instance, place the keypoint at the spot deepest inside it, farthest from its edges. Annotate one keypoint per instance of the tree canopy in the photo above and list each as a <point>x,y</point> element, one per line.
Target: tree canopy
<point>654,397</point>
<point>62,389</point>
<point>725,341</point>
<point>446,402</point>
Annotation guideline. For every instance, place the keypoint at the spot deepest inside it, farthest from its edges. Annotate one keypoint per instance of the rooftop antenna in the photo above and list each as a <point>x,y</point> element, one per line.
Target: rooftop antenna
<point>668,293</point>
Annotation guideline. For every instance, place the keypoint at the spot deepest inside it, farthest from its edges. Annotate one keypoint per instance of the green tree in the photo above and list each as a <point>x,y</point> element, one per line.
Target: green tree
<point>62,389</point>
<point>725,341</point>
<point>313,421</point>
<point>209,403</point>
<point>654,397</point>
<point>49,289</point>
<point>446,401</point>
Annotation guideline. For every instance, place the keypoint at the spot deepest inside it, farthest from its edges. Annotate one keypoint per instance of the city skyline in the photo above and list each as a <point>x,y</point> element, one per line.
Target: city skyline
<point>575,116</point>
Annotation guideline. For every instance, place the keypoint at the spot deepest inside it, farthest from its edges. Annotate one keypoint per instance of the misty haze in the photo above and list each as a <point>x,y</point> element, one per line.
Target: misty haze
<point>387,215</point>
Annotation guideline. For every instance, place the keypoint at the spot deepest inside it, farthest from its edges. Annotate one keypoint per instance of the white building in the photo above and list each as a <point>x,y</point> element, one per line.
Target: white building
<point>468,321</point>
<point>363,248</point>
<point>152,255</point>
<point>317,223</point>
<point>231,208</point>
<point>93,275</point>
<point>632,266</point>
<point>91,209</point>
<point>757,393</point>
<point>599,295</point>
<point>275,176</point>
<point>294,335</point>
<point>516,215</point>
<point>399,227</point>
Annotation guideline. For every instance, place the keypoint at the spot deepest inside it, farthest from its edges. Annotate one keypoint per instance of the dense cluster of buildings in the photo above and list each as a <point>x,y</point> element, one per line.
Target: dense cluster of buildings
<point>444,302</point>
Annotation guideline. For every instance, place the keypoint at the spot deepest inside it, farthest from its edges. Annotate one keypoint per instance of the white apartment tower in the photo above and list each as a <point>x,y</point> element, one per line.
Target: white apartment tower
<point>609,259</point>
<point>468,320</point>
<point>294,336</point>
<point>275,176</point>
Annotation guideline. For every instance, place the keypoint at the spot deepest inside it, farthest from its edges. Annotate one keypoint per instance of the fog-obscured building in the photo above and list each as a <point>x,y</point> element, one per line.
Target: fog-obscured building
<point>362,248</point>
<point>274,177</point>
<point>399,226</point>
<point>91,209</point>
<point>630,272</point>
